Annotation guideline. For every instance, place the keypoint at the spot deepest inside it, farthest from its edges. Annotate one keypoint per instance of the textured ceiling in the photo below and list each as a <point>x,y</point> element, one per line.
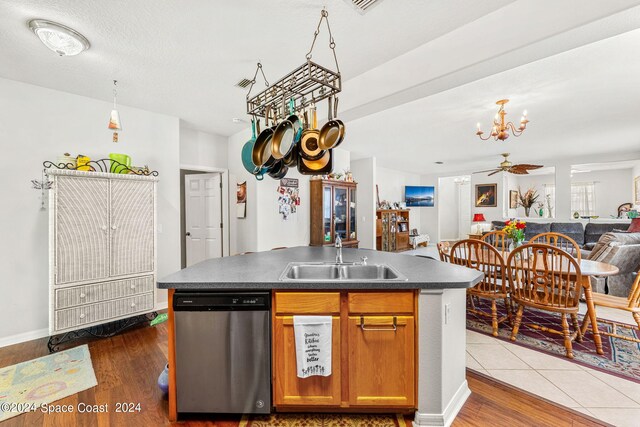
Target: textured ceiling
<point>183,57</point>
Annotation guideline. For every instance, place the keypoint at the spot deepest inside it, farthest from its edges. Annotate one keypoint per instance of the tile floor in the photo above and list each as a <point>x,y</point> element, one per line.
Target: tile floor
<point>603,396</point>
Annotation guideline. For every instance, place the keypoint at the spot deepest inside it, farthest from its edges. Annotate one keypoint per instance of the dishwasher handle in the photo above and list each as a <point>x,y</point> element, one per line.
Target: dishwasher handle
<point>216,301</point>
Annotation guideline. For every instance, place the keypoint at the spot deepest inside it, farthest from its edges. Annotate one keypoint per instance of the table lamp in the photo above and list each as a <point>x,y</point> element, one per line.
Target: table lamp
<point>478,218</point>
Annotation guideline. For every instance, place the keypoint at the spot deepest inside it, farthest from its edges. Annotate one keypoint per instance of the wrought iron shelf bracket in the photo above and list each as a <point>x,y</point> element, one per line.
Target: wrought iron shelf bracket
<point>102,165</point>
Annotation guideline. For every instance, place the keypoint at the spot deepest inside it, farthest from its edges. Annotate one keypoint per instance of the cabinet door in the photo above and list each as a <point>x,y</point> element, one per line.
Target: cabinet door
<point>327,215</point>
<point>132,227</point>
<point>291,390</point>
<point>353,214</point>
<point>340,211</point>
<point>390,381</point>
<point>81,233</point>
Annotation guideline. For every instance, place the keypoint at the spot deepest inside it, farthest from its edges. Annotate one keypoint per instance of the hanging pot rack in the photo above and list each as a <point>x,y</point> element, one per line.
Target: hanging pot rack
<point>307,84</point>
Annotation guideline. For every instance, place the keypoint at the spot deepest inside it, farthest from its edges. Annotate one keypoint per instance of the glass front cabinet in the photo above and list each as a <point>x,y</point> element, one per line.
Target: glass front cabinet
<point>333,212</point>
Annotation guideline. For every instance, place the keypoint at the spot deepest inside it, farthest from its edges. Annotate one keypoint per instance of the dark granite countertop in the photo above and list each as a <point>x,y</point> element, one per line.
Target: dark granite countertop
<point>262,270</point>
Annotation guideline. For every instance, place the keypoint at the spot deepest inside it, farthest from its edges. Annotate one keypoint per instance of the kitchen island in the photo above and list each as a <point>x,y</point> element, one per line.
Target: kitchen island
<point>436,291</point>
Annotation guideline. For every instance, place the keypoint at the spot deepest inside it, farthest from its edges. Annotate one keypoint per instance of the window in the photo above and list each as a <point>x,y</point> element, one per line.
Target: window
<point>583,197</point>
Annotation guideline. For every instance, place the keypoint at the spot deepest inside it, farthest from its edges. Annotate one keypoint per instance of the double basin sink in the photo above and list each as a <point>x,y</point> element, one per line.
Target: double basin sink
<point>345,272</point>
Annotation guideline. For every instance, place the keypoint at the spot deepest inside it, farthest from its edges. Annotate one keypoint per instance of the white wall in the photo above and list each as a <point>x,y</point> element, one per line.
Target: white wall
<point>364,173</point>
<point>612,188</point>
<point>203,149</point>
<point>525,182</point>
<point>448,208</point>
<point>635,172</point>
<point>391,185</point>
<point>40,124</point>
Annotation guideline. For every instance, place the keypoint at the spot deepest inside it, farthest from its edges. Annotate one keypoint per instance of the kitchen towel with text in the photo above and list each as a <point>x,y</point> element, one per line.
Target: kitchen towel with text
<point>313,345</point>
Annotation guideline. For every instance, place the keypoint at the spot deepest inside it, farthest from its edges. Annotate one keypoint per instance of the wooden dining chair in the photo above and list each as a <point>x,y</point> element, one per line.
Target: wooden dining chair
<point>482,256</point>
<point>559,240</point>
<point>498,239</point>
<point>631,304</point>
<point>546,278</point>
<point>444,250</point>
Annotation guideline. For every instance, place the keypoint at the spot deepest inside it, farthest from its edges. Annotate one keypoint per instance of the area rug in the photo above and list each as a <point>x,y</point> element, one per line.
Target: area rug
<point>620,358</point>
<point>324,420</point>
<point>29,385</point>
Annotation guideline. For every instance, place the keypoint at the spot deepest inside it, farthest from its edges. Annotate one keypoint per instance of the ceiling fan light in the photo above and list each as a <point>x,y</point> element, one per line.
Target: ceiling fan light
<point>61,39</point>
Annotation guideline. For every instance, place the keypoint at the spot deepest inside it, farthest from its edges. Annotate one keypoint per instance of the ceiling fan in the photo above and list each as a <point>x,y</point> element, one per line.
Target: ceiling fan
<point>507,166</point>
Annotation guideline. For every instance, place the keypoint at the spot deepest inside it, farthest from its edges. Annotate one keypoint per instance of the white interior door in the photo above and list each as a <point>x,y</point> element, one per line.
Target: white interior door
<point>203,212</point>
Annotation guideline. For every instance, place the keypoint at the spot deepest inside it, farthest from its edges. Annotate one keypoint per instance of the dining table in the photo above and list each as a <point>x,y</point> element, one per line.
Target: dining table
<point>588,269</point>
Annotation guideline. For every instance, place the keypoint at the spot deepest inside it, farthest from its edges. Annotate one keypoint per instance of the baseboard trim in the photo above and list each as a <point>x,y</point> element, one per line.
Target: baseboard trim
<point>24,337</point>
<point>161,305</point>
<point>451,411</point>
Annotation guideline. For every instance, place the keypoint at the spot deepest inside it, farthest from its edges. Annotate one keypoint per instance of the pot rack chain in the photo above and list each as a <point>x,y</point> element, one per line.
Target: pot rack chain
<point>324,16</point>
<point>253,81</point>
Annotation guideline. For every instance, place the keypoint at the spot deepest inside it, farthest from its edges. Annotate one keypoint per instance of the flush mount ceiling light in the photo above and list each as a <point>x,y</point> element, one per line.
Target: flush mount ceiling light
<point>61,39</point>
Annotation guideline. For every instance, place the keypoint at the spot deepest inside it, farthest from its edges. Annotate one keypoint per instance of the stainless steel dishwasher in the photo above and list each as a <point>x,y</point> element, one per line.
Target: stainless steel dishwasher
<point>223,352</point>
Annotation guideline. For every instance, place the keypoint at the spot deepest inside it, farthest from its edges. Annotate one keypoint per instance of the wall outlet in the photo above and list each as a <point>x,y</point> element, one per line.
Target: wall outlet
<point>447,313</point>
<point>159,228</point>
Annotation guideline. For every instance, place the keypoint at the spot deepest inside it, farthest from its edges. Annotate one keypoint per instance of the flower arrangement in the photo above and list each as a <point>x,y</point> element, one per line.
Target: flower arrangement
<point>515,230</point>
<point>527,199</point>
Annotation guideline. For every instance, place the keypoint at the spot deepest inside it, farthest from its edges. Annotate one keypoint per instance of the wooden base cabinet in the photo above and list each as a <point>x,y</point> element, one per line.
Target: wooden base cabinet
<point>390,381</point>
<point>312,391</point>
<point>288,389</point>
<point>373,353</point>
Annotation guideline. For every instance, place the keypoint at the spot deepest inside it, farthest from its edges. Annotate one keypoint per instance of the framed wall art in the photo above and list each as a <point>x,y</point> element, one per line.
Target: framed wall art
<point>513,199</point>
<point>486,195</point>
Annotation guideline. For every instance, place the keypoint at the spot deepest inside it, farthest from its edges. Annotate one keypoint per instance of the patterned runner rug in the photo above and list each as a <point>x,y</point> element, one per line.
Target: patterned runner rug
<point>621,357</point>
<point>324,420</point>
<point>29,385</point>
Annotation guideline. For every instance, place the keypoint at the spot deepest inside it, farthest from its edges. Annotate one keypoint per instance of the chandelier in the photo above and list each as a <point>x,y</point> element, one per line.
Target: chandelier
<point>500,130</point>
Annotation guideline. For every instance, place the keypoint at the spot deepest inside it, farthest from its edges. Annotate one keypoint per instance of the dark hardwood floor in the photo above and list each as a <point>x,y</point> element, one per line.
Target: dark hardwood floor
<point>127,367</point>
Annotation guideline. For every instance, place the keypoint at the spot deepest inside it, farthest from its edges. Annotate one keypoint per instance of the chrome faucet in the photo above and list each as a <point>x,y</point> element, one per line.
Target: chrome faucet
<point>338,246</point>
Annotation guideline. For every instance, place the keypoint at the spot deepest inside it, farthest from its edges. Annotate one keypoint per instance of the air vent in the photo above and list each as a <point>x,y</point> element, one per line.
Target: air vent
<point>244,83</point>
<point>363,6</point>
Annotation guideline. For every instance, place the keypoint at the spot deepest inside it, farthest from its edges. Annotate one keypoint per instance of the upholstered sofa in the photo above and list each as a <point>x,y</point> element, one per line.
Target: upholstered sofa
<point>599,243</point>
<point>584,236</point>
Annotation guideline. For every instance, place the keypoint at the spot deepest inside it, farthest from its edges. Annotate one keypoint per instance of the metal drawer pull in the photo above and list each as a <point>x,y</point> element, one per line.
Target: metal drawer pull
<point>133,286</point>
<point>82,295</point>
<point>394,326</point>
<point>133,304</point>
<point>82,316</point>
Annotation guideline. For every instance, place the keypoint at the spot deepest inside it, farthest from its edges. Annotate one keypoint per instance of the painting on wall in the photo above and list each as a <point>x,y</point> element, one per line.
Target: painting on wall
<point>419,196</point>
<point>637,190</point>
<point>241,199</point>
<point>486,195</point>
<point>513,199</point>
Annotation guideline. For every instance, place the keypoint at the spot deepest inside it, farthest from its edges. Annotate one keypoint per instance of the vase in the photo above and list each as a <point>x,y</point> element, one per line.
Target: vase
<point>163,379</point>
<point>527,210</point>
<point>513,244</point>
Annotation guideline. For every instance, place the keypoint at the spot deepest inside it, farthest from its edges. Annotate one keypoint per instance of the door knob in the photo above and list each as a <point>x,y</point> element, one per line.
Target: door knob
<point>188,234</point>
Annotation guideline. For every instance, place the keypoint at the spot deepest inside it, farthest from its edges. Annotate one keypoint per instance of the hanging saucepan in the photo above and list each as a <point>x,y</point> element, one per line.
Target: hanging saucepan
<point>291,159</point>
<point>316,167</point>
<point>261,154</point>
<point>309,148</point>
<point>247,150</point>
<point>332,133</point>
<point>284,137</point>
<point>278,170</point>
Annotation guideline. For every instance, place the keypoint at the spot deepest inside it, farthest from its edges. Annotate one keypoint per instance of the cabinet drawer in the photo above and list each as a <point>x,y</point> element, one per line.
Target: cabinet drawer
<point>307,302</point>
<point>78,295</point>
<point>107,310</point>
<point>381,302</point>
